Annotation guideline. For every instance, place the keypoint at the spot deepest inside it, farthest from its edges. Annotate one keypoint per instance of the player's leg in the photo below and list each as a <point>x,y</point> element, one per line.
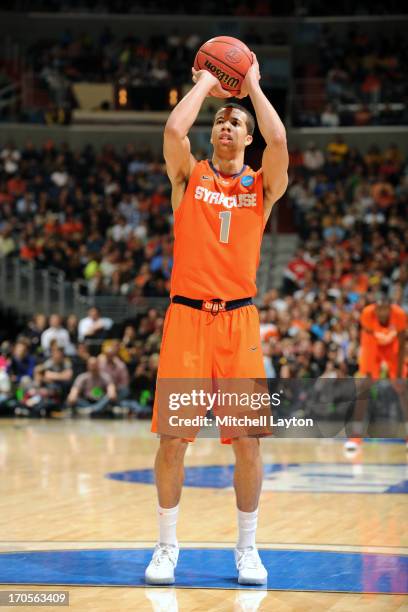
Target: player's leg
<point>169,475</point>
<point>400,386</point>
<point>183,355</point>
<point>238,355</point>
<point>369,370</point>
<point>247,484</point>
<point>247,478</point>
<point>363,386</point>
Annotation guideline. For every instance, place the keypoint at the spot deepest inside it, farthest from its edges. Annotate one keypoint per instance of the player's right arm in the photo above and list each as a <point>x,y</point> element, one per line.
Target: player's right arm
<point>176,147</point>
<point>365,321</point>
<point>401,352</point>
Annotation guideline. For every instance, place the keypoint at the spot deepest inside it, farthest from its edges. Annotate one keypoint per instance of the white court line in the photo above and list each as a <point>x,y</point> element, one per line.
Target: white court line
<point>103,544</point>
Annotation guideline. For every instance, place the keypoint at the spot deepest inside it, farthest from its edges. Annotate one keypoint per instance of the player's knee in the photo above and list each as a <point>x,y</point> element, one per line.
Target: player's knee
<point>246,449</point>
<point>172,450</point>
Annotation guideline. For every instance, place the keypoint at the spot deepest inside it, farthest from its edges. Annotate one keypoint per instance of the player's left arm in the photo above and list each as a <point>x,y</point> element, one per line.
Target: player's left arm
<point>275,159</point>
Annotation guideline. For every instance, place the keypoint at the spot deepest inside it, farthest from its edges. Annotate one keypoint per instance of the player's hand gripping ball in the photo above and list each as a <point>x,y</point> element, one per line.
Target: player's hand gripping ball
<point>228,59</point>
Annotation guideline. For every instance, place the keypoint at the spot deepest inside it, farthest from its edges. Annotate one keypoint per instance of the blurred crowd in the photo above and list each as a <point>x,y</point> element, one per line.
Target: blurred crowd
<point>365,80</point>
<point>351,212</point>
<point>259,8</point>
<point>105,220</point>
<point>150,61</point>
<point>155,60</point>
<point>88,367</point>
<point>354,78</point>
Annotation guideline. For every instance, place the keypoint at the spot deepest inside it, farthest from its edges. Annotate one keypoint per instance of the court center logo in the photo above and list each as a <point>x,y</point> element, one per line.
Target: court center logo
<point>247,180</point>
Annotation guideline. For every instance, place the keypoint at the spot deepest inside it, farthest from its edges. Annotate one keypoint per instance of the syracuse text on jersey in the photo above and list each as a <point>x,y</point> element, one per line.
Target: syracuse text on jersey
<point>217,197</point>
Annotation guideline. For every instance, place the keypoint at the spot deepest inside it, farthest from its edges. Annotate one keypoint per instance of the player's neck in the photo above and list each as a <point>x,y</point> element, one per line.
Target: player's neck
<point>228,166</point>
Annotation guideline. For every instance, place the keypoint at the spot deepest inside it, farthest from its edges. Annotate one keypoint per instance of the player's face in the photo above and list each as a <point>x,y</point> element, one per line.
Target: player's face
<point>383,313</point>
<point>229,131</point>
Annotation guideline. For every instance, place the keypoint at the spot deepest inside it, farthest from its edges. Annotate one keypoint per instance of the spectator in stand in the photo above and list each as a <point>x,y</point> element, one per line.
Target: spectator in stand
<point>80,359</point>
<point>390,166</point>
<point>111,364</point>
<point>313,158</point>
<point>337,84</point>
<point>383,193</point>
<point>10,158</point>
<point>371,88</point>
<point>131,349</point>
<point>56,332</point>
<point>35,329</point>
<point>92,392</point>
<point>93,326</point>
<point>16,185</point>
<point>373,159</point>
<point>329,117</point>
<point>295,271</point>
<point>7,242</point>
<point>22,364</point>
<point>363,116</point>
<point>121,230</point>
<point>338,149</point>
<point>72,328</point>
<point>56,371</point>
<point>142,385</point>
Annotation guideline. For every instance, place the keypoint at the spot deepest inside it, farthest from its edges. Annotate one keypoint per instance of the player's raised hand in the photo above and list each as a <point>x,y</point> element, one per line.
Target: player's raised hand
<point>216,91</point>
<point>251,78</point>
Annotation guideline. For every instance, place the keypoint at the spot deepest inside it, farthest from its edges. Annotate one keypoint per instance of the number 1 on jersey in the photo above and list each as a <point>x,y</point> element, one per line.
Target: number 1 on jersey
<point>225,217</point>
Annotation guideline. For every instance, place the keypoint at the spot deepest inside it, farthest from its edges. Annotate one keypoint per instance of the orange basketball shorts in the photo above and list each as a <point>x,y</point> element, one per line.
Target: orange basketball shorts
<point>198,344</point>
<point>370,362</point>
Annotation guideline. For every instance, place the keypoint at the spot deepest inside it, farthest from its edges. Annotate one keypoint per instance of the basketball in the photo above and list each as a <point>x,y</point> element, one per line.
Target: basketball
<point>226,58</point>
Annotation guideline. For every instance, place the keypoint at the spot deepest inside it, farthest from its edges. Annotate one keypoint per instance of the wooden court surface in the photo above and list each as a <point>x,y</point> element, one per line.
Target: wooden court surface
<point>54,495</point>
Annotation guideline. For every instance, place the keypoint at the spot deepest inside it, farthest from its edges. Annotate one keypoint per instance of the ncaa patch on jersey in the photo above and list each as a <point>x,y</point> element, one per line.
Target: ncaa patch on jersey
<point>247,180</point>
<point>206,178</point>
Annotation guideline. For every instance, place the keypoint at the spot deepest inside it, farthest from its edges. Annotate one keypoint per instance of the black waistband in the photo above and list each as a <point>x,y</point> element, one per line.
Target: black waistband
<point>216,305</point>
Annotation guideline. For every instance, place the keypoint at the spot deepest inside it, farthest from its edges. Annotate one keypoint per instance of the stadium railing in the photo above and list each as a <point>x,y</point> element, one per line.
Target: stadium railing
<point>26,288</point>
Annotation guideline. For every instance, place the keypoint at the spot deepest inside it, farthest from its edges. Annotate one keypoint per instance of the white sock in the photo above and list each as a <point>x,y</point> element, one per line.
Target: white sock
<point>357,429</point>
<point>247,522</point>
<point>168,525</point>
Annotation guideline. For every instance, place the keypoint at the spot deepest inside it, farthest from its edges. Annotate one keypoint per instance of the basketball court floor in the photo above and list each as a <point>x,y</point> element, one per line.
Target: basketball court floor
<point>78,513</point>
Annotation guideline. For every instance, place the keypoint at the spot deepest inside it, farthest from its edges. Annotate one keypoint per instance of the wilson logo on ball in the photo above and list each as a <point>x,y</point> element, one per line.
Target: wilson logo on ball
<point>222,76</point>
<point>234,56</point>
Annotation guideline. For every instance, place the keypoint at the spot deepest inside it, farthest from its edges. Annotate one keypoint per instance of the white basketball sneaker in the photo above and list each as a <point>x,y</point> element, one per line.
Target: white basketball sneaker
<point>161,568</point>
<point>250,567</point>
<point>352,445</point>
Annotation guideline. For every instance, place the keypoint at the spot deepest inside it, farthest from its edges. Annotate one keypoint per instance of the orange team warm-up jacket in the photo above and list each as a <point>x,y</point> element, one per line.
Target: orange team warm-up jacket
<point>372,354</point>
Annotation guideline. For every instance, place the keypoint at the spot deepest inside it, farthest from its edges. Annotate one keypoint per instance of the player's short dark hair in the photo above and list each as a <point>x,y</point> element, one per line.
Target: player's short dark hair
<point>250,121</point>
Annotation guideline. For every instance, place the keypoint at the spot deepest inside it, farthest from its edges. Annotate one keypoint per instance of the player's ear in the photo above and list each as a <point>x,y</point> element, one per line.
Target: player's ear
<point>248,139</point>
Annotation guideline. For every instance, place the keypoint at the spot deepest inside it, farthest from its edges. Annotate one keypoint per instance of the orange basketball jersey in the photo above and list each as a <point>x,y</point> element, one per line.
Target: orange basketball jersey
<point>218,230</point>
<point>369,320</point>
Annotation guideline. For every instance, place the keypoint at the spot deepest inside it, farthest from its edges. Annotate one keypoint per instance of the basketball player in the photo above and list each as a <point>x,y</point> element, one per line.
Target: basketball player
<point>211,328</point>
<point>382,348</point>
